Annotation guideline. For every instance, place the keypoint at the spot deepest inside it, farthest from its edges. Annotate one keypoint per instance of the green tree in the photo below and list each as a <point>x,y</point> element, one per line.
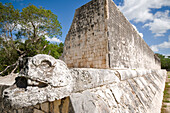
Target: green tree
<point>23,34</point>
<point>165,61</point>
<point>8,48</point>
<point>54,50</point>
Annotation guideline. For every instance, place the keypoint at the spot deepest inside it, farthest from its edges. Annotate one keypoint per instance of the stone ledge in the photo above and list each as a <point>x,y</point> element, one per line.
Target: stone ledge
<point>126,95</point>
<point>8,80</point>
<point>90,79</point>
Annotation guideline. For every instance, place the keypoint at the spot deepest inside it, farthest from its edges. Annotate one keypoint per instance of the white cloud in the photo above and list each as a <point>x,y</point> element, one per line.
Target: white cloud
<point>164,45</point>
<point>53,40</point>
<point>154,48</point>
<point>161,23</point>
<point>18,27</point>
<point>139,10</point>
<point>166,55</point>
<point>23,40</point>
<point>137,31</point>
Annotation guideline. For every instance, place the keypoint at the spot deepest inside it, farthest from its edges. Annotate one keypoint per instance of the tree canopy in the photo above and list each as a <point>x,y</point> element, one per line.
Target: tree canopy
<point>23,34</point>
<point>165,61</point>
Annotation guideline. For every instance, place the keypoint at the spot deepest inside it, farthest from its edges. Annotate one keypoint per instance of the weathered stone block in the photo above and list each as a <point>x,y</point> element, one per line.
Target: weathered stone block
<point>93,90</point>
<point>104,31</point>
<point>56,106</point>
<point>38,111</point>
<point>45,107</point>
<point>21,111</point>
<point>51,107</point>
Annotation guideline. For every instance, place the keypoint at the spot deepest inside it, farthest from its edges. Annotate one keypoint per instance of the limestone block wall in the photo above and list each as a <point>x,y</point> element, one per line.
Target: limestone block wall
<point>126,47</point>
<point>88,90</point>
<point>86,42</point>
<point>140,92</point>
<point>130,91</point>
<point>101,37</point>
<point>58,106</point>
<point>2,88</point>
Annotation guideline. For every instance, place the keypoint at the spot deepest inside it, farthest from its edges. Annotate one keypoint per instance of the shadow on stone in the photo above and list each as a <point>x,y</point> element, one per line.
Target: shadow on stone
<point>21,82</point>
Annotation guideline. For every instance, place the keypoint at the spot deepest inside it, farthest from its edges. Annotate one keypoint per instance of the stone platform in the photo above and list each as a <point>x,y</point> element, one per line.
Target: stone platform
<point>88,90</point>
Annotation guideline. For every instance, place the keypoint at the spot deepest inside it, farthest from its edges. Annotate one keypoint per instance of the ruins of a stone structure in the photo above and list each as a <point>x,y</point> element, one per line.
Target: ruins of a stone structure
<point>46,85</point>
<point>101,37</point>
<point>110,70</point>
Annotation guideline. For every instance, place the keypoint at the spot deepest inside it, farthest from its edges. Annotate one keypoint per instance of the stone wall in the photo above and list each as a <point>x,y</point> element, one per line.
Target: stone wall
<point>126,47</point>
<point>46,85</point>
<point>58,106</point>
<point>86,42</point>
<point>140,92</point>
<point>101,37</point>
<point>129,91</point>
<point>2,88</point>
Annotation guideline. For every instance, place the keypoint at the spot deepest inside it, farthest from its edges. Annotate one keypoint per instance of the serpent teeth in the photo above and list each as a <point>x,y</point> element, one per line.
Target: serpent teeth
<point>33,83</point>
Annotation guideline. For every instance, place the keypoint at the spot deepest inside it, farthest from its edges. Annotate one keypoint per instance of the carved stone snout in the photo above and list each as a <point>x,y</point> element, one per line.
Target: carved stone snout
<point>46,69</point>
<point>41,78</point>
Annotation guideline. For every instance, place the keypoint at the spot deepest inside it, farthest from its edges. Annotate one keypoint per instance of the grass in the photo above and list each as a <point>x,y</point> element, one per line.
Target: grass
<point>165,92</point>
<point>168,74</point>
<point>167,85</point>
<point>167,101</point>
<point>166,98</point>
<point>164,106</point>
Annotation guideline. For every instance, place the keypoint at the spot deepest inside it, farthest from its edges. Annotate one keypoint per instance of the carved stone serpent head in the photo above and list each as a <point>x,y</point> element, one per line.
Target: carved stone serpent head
<point>41,78</point>
<point>45,69</point>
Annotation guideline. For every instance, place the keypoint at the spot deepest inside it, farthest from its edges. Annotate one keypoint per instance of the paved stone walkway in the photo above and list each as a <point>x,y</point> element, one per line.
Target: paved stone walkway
<point>166,99</point>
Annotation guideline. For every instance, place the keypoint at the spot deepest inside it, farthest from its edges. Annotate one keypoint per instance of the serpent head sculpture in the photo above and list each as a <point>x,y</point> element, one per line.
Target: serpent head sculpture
<point>38,75</point>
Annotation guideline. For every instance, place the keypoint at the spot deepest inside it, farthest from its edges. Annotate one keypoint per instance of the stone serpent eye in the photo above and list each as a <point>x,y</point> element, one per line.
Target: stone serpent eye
<point>45,65</point>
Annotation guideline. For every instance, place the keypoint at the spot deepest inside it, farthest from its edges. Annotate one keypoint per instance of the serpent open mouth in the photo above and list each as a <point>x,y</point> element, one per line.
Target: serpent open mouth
<point>23,82</point>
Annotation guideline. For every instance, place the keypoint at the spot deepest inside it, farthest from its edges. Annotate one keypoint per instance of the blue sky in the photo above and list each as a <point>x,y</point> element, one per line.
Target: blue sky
<point>151,17</point>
